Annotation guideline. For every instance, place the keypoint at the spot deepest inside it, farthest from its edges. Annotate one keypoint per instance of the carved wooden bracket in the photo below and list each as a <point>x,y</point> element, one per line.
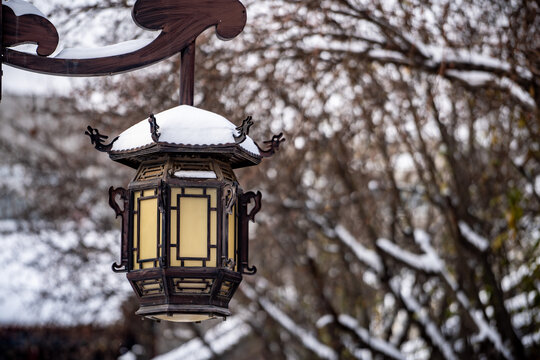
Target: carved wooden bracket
<point>179,23</point>
<point>124,213</point>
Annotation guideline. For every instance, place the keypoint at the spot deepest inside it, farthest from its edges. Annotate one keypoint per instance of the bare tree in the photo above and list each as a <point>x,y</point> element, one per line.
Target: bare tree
<point>401,218</point>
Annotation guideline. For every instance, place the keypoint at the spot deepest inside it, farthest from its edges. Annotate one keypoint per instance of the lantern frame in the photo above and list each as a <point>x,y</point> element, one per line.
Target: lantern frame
<point>159,288</point>
<point>22,23</point>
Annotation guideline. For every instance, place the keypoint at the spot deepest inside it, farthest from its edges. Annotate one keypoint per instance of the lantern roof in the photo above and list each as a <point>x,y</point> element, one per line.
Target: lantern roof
<point>188,130</point>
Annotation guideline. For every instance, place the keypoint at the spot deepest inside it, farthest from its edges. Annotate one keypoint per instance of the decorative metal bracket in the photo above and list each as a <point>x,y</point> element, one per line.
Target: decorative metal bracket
<point>162,196</point>
<point>244,130</point>
<point>229,264</point>
<point>154,127</point>
<point>124,213</point>
<point>97,139</point>
<point>274,145</point>
<point>243,234</point>
<point>229,195</point>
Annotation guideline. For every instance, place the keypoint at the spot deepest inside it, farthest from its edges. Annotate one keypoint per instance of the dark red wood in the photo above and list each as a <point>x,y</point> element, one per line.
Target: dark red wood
<point>180,22</point>
<point>187,75</point>
<point>28,28</point>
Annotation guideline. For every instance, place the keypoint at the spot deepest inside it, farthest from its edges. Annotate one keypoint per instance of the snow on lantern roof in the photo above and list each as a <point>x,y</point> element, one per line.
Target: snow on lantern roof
<point>186,130</point>
<point>184,125</point>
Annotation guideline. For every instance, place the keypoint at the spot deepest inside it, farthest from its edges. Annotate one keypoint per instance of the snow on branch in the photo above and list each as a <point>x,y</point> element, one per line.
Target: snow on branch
<point>305,337</point>
<point>365,255</point>
<point>379,345</point>
<point>222,338</point>
<point>432,330</point>
<point>478,241</point>
<point>484,329</point>
<point>476,78</point>
<point>425,262</point>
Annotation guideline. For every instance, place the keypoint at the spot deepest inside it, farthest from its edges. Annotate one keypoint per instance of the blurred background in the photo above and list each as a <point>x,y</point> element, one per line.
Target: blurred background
<point>400,218</point>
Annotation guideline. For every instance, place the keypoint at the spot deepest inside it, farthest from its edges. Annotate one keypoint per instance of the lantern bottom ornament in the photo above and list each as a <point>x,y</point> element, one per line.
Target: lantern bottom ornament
<point>184,216</point>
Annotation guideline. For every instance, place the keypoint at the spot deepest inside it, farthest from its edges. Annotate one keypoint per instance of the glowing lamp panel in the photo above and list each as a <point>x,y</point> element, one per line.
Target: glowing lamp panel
<point>231,241</point>
<point>183,317</point>
<point>147,234</point>
<point>193,220</point>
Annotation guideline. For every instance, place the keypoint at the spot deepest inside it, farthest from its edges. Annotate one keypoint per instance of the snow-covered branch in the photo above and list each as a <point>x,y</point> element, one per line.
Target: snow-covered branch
<point>365,255</point>
<point>431,329</point>
<point>304,336</point>
<point>472,237</point>
<point>222,338</point>
<point>425,262</point>
<point>378,345</point>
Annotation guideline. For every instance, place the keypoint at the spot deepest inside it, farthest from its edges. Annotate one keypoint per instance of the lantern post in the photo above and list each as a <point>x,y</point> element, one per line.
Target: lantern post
<point>185,218</point>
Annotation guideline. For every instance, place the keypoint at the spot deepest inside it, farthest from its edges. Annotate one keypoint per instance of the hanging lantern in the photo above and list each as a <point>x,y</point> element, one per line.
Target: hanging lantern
<point>184,215</point>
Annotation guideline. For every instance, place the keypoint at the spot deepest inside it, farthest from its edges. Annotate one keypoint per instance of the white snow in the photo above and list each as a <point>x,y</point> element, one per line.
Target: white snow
<point>377,344</point>
<point>478,241</point>
<point>487,331</point>
<point>431,328</point>
<point>221,338</point>
<point>184,125</point>
<point>303,335</point>
<point>531,339</point>
<point>387,54</point>
<point>324,320</point>
<point>514,277</point>
<point>128,356</point>
<point>21,7</point>
<point>473,78</point>
<point>104,51</point>
<point>518,92</point>
<point>365,255</point>
<point>477,316</point>
<point>309,340</point>
<point>482,78</point>
<point>195,174</point>
<point>425,262</point>
<point>92,296</point>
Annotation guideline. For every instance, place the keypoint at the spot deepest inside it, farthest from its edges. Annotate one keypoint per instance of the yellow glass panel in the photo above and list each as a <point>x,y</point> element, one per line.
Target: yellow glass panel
<point>136,197</point>
<point>183,317</point>
<point>193,227</point>
<point>212,262</point>
<point>174,236</point>
<point>135,264</point>
<point>213,230</point>
<point>196,263</point>
<point>193,285</point>
<point>193,191</point>
<point>150,192</point>
<point>213,197</point>
<point>231,239</point>
<point>149,227</point>
<point>151,286</point>
<point>174,194</point>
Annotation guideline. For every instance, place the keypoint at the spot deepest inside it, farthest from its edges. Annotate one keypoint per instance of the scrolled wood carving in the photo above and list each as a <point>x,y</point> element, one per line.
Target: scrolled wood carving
<point>180,22</point>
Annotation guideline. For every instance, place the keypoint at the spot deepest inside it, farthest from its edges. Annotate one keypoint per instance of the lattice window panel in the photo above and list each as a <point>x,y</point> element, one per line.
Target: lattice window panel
<point>192,286</point>
<point>150,287</point>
